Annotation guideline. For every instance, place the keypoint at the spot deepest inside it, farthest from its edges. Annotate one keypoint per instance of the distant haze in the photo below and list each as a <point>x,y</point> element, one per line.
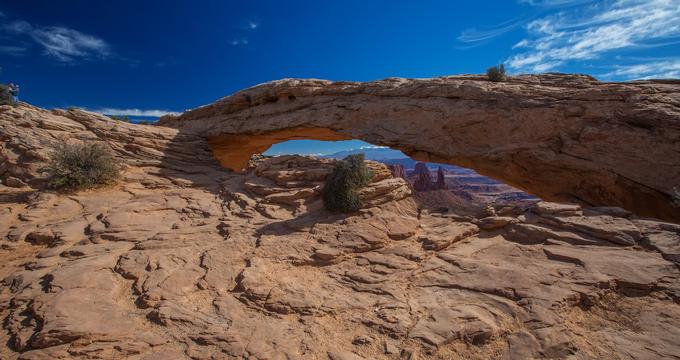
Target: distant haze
<point>371,153</point>
<point>136,119</point>
<point>316,147</point>
<point>341,149</point>
<point>393,157</point>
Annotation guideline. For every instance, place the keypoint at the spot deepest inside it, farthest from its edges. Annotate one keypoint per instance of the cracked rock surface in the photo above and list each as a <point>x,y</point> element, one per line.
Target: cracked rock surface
<point>182,259</point>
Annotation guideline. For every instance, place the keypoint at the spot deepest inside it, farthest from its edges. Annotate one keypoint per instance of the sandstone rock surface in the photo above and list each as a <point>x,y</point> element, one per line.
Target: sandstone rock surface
<point>183,259</point>
<point>560,137</point>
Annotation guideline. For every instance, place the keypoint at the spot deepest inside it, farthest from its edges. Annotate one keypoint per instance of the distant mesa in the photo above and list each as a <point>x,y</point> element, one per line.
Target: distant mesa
<point>423,176</point>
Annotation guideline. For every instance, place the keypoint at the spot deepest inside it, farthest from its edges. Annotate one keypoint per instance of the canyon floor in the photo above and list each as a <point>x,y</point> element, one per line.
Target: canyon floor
<point>182,259</point>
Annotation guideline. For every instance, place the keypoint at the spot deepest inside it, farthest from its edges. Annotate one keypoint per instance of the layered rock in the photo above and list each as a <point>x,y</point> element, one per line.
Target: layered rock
<point>422,179</point>
<point>560,137</point>
<point>398,171</point>
<point>440,183</point>
<point>183,259</point>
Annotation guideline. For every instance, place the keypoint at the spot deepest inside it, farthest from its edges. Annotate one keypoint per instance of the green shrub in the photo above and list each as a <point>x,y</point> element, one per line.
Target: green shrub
<point>144,122</point>
<point>496,73</point>
<point>5,97</point>
<point>120,118</point>
<point>81,166</point>
<point>348,176</point>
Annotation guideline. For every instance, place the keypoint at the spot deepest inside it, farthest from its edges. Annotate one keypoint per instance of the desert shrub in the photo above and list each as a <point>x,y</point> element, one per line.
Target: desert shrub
<point>676,197</point>
<point>81,166</point>
<point>120,118</point>
<point>144,122</point>
<point>5,97</point>
<point>348,176</point>
<point>496,73</point>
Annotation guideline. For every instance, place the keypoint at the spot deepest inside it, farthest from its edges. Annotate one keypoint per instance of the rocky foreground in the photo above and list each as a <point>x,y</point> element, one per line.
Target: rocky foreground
<point>183,259</point>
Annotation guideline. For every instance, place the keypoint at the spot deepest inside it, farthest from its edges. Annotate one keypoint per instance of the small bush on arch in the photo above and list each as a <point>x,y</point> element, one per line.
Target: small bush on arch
<point>348,176</point>
<point>496,73</point>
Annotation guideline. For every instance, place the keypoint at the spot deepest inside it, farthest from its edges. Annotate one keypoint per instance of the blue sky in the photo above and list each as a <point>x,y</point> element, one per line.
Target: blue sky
<point>150,57</point>
<point>316,147</point>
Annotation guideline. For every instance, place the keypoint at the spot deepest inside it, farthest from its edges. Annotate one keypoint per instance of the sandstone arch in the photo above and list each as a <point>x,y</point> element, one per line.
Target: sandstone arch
<point>561,137</point>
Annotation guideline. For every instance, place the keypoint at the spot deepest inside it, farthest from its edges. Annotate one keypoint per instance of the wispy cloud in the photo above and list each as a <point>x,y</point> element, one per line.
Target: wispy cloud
<point>239,41</point>
<point>132,112</point>
<point>664,69</point>
<point>17,27</point>
<point>168,61</point>
<point>61,43</point>
<point>590,32</point>
<point>473,36</point>
<point>244,28</point>
<point>13,50</point>
<point>554,3</point>
<point>67,44</point>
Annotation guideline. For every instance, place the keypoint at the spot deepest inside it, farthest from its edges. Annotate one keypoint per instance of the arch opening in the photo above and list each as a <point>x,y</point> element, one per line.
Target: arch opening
<point>440,187</point>
<point>234,151</point>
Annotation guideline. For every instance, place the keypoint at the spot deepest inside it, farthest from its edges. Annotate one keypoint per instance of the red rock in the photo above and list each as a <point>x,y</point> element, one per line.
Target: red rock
<point>559,137</point>
<point>184,259</point>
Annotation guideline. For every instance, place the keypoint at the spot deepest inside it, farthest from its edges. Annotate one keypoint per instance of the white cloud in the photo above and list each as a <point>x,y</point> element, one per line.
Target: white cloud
<point>67,44</point>
<point>12,50</point>
<point>132,112</point>
<point>472,37</point>
<point>553,3</point>
<point>239,41</point>
<point>62,43</point>
<point>589,32</point>
<point>523,43</point>
<point>479,36</point>
<point>663,69</point>
<point>245,27</point>
<point>372,147</point>
<point>18,27</point>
